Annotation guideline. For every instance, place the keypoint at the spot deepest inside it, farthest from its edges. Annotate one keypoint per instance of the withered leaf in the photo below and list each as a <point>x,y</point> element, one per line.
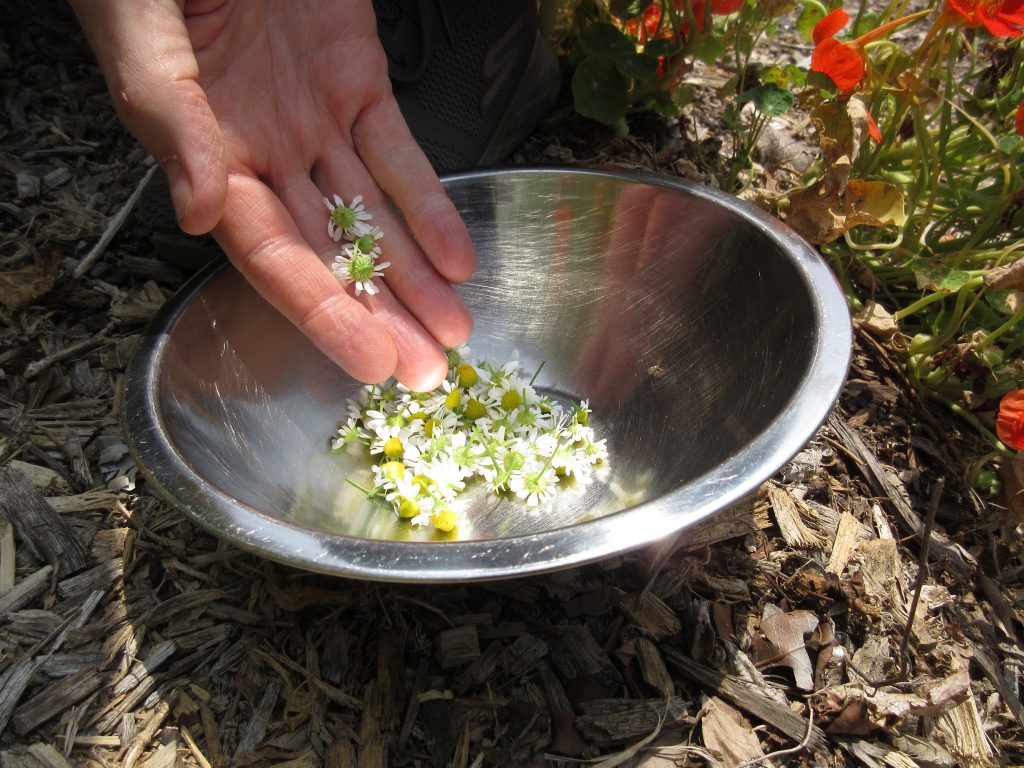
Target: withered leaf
<point>873,204</point>
<point>729,734</point>
<point>1007,277</point>
<point>786,647</point>
<point>858,712</point>
<point>20,287</point>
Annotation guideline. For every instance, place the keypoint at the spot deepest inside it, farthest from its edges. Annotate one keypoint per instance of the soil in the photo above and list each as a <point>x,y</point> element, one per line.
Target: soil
<point>808,625</point>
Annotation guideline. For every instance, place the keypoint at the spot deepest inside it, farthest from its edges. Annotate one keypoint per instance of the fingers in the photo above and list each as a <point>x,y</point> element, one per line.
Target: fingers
<point>420,364</point>
<point>151,71</point>
<point>265,245</point>
<point>387,148</point>
<point>412,278</point>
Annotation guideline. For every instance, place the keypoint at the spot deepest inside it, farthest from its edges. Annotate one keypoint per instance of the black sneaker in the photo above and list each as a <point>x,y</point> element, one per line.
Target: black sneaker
<point>473,78</point>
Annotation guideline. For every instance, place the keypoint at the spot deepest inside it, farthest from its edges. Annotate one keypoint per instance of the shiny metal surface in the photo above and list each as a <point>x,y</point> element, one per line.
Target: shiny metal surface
<point>709,339</point>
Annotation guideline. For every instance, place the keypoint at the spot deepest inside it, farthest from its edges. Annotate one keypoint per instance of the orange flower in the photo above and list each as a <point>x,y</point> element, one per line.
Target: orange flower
<point>843,63</point>
<point>1018,120</point>
<point>1003,18</point>
<point>1010,421</point>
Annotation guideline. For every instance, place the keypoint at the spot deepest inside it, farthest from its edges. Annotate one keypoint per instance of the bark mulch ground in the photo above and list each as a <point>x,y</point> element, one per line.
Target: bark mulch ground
<point>864,607</point>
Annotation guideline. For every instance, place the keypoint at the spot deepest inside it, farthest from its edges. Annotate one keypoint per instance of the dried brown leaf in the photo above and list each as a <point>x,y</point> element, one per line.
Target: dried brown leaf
<point>729,734</point>
<point>20,287</point>
<point>858,711</point>
<point>1007,277</point>
<point>786,647</point>
<point>877,320</point>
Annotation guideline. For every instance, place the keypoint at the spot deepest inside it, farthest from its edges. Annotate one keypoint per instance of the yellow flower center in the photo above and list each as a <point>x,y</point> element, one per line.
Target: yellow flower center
<point>453,399</point>
<point>467,375</point>
<point>393,448</point>
<point>475,409</point>
<point>444,519</point>
<point>511,400</point>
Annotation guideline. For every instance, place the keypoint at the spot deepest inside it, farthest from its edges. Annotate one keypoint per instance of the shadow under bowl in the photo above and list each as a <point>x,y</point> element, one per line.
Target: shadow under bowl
<point>709,339</point>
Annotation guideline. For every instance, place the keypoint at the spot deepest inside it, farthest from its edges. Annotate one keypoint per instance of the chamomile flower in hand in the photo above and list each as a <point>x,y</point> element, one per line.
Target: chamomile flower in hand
<point>366,239</point>
<point>359,268</point>
<point>344,218</point>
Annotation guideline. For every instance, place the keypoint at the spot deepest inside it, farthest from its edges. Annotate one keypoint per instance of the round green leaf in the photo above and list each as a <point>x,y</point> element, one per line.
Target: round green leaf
<point>770,99</point>
<point>773,100</point>
<point>638,66</point>
<point>1004,302</point>
<point>605,40</point>
<point>627,9</point>
<point>600,91</point>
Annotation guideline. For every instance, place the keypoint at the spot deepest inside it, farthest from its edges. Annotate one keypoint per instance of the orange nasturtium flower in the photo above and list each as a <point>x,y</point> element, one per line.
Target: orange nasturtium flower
<point>843,63</point>
<point>652,15</point>
<point>1003,18</point>
<point>1010,421</point>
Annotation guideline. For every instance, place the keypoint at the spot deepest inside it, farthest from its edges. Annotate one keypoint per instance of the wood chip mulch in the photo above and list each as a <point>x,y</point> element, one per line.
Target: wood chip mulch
<point>863,608</point>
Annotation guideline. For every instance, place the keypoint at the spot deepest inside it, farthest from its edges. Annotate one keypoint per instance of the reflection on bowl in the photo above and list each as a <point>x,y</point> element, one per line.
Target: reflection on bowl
<point>709,339</point>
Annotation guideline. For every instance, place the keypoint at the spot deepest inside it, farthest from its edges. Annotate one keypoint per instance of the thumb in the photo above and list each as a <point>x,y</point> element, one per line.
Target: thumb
<point>147,59</point>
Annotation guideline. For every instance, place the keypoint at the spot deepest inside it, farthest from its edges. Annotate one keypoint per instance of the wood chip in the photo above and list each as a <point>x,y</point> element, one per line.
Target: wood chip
<point>789,515</point>
<point>152,724</point>
<point>844,545</point>
<point>956,557</point>
<point>610,722</point>
<point>455,647</point>
<point>749,700</point>
<point>48,755</point>
<point>26,590</point>
<point>42,530</point>
<point>256,728</point>
<point>8,556</point>
<point>576,656</point>
<point>43,479</point>
<point>652,667</point>
<point>650,612</point>
<point>54,699</point>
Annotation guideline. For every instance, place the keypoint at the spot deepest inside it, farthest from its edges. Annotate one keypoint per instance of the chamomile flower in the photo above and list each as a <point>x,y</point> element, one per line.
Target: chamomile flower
<point>366,239</point>
<point>534,484</point>
<point>350,431</point>
<point>359,268</point>
<point>344,218</point>
<point>485,423</point>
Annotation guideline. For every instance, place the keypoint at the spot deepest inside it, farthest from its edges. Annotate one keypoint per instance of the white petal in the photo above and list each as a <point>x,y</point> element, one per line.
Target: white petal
<point>339,201</point>
<point>328,204</point>
<point>356,201</point>
<point>359,287</point>
<point>371,288</point>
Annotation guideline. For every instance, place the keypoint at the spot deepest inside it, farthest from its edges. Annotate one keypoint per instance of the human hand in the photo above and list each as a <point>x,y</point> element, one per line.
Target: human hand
<point>256,111</point>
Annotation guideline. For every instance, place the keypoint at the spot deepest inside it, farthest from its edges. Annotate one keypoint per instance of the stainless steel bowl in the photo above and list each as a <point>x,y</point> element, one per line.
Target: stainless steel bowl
<point>709,339</point>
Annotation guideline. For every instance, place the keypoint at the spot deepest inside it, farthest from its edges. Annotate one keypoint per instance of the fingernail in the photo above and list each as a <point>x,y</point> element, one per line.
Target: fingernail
<point>181,190</point>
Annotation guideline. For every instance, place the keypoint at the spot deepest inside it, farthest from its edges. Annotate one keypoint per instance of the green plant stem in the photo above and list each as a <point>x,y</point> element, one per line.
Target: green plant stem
<point>971,419</point>
<point>1014,319</point>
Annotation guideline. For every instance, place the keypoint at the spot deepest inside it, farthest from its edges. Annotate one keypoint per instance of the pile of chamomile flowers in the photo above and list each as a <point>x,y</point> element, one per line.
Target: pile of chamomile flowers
<point>485,424</point>
<point>358,261</point>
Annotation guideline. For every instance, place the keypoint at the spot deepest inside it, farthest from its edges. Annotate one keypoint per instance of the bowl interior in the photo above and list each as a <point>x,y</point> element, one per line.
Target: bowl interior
<point>709,341</point>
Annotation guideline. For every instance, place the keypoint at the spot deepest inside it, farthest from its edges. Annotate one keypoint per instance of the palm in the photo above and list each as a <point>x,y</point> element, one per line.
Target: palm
<point>302,98</point>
